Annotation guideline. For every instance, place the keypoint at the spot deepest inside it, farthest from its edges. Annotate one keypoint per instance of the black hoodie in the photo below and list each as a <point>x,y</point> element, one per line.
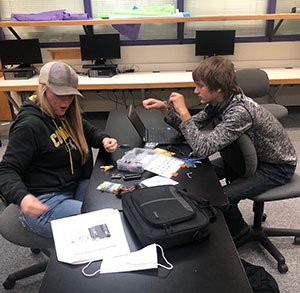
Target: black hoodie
<point>41,156</point>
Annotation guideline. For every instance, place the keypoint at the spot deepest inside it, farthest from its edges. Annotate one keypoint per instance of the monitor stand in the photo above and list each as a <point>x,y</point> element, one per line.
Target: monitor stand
<point>99,66</point>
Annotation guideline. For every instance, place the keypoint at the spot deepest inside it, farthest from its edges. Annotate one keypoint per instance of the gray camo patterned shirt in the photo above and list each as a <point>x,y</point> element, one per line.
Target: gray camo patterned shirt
<point>237,115</point>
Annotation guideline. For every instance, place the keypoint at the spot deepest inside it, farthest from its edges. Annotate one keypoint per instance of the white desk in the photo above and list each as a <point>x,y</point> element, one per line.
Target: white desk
<point>134,80</point>
<point>281,76</point>
<point>144,80</point>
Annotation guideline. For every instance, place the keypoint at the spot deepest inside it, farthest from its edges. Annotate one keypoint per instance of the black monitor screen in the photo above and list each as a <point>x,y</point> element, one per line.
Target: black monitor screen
<point>211,43</point>
<point>20,52</point>
<point>100,47</point>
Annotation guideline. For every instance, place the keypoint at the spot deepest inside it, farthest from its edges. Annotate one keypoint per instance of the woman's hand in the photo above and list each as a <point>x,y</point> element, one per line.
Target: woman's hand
<point>110,144</point>
<point>176,100</point>
<point>32,207</point>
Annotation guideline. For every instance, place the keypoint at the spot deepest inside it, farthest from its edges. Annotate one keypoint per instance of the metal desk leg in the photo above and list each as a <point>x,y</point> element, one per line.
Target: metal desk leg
<point>12,101</point>
<point>143,93</point>
<point>276,93</point>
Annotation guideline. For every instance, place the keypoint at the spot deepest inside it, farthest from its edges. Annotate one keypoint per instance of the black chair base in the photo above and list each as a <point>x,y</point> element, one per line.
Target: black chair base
<point>10,281</point>
<point>261,234</point>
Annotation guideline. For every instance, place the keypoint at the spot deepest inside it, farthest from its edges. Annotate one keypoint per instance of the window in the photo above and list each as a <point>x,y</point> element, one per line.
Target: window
<point>249,28</point>
<point>154,31</point>
<point>288,27</point>
<point>44,34</point>
<point>157,33</point>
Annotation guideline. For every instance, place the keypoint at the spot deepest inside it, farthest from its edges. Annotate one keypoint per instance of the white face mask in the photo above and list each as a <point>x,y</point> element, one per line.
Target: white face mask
<point>142,259</point>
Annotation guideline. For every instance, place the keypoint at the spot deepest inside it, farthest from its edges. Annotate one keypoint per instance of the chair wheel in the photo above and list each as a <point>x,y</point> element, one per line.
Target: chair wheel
<point>35,250</point>
<point>282,268</point>
<point>297,240</point>
<point>264,217</point>
<point>8,284</point>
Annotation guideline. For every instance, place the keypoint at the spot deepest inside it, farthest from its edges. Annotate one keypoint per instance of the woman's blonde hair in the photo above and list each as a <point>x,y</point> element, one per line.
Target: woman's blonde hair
<point>72,120</point>
<point>217,73</point>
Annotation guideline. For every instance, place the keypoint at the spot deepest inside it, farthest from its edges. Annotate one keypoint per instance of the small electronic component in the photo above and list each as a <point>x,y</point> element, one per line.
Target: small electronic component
<point>115,176</point>
<point>106,168</point>
<point>109,187</point>
<point>124,145</point>
<point>131,176</point>
<point>164,152</point>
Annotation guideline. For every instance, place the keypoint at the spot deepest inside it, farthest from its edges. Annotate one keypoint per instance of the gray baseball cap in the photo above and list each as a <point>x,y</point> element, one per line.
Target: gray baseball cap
<point>60,78</point>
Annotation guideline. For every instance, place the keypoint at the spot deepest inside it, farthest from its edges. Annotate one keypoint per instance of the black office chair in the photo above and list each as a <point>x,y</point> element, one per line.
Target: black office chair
<point>240,161</point>
<point>255,84</point>
<point>13,231</point>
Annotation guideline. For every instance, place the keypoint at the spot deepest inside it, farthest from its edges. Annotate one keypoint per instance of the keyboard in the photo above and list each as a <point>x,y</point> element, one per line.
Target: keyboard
<point>101,66</point>
<point>17,69</point>
<point>158,134</point>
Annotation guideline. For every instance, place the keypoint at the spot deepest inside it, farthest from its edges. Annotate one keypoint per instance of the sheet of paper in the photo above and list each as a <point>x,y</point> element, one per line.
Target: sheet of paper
<point>91,236</point>
<point>164,165</point>
<point>158,180</point>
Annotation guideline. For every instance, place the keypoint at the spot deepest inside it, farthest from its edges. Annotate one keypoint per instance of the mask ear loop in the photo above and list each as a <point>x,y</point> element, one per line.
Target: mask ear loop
<point>92,274</point>
<point>170,267</point>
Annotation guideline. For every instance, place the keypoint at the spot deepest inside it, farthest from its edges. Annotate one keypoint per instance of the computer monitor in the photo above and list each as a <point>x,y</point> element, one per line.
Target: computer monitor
<point>20,52</point>
<point>100,47</point>
<point>214,42</point>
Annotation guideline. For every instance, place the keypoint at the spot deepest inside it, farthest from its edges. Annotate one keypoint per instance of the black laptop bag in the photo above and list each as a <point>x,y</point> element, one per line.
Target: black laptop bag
<point>167,216</point>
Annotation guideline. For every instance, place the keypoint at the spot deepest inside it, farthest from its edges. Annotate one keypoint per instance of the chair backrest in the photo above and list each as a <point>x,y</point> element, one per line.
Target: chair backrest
<point>254,82</point>
<point>240,158</point>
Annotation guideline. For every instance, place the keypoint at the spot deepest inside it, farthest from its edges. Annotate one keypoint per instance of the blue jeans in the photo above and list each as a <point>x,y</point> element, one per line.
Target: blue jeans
<point>61,205</point>
<point>267,176</point>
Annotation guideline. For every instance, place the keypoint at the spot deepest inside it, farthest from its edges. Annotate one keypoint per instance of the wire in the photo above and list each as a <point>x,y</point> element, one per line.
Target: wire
<point>117,102</point>
<point>133,98</point>
<point>81,72</point>
<point>126,69</point>
<point>135,66</point>
<point>153,94</point>
<point>124,98</point>
<point>109,99</point>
